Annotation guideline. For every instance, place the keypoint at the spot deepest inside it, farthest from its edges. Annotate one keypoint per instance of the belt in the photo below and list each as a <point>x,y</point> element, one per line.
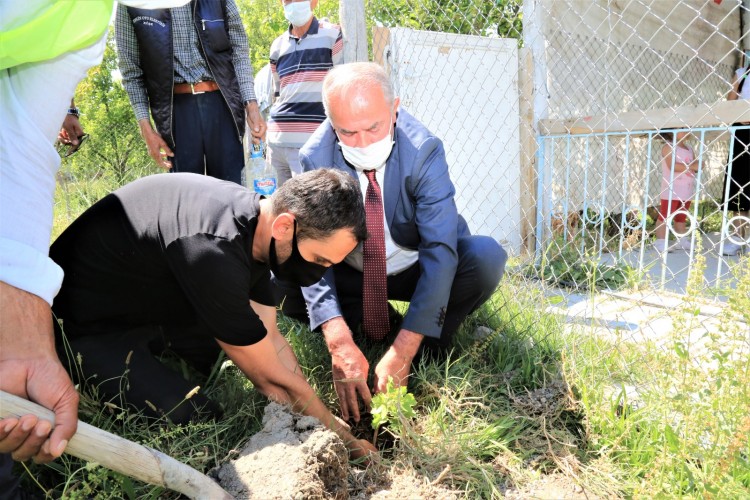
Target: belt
<point>195,88</point>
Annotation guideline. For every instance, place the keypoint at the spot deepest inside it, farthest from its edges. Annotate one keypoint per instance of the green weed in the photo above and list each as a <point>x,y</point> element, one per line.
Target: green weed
<point>575,264</point>
<point>393,407</point>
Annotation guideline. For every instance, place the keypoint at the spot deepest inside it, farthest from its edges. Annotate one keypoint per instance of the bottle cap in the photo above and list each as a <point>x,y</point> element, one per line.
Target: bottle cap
<point>256,150</point>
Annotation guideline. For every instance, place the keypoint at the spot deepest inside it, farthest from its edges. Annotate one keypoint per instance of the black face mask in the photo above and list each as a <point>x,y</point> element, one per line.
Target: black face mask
<point>295,269</point>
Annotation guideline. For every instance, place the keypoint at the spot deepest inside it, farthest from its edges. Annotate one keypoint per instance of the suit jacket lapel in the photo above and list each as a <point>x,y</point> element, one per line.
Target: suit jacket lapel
<point>392,188</point>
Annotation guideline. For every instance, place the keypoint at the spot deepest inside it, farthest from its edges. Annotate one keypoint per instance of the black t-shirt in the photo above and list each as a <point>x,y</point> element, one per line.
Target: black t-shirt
<point>168,249</point>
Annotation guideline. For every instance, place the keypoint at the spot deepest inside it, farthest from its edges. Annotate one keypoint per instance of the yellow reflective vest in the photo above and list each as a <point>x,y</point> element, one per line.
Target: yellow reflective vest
<point>65,26</point>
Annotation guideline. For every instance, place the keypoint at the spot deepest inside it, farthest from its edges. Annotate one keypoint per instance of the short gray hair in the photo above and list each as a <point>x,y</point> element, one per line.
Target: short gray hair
<point>345,77</point>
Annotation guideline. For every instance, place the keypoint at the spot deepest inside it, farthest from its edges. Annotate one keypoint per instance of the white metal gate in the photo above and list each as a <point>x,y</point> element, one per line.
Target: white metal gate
<point>465,90</point>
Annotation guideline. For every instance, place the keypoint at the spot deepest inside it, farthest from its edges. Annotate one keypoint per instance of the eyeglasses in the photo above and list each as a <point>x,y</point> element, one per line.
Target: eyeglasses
<point>67,149</point>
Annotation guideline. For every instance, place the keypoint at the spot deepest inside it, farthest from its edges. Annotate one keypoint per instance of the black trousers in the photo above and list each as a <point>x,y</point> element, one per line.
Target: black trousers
<point>125,366</point>
<point>206,138</point>
<point>481,263</point>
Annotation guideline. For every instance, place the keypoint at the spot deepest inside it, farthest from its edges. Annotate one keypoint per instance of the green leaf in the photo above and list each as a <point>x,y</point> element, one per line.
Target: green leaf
<point>391,406</point>
<point>672,439</point>
<point>379,415</point>
<point>681,350</point>
<point>128,488</point>
<point>407,405</point>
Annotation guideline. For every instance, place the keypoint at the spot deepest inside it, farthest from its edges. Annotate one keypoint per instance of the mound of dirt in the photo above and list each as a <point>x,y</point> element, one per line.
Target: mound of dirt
<point>296,457</point>
<point>292,457</point>
<point>400,485</point>
<point>551,487</point>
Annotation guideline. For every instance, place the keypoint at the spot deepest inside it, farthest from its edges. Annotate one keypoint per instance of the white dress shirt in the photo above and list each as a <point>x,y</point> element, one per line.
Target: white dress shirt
<point>397,258</point>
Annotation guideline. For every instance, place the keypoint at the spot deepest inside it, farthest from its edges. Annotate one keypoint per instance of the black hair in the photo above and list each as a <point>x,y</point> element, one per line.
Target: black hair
<point>323,201</point>
<point>667,137</point>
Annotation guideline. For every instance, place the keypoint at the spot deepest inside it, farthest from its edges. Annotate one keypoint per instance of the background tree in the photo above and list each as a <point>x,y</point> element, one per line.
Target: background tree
<point>469,17</point>
<point>115,148</point>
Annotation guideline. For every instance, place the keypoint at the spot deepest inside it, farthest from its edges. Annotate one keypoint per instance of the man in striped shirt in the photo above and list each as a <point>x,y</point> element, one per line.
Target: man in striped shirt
<point>300,59</point>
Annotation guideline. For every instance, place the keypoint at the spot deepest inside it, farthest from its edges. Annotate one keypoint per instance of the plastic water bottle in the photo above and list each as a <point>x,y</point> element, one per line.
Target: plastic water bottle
<point>258,175</point>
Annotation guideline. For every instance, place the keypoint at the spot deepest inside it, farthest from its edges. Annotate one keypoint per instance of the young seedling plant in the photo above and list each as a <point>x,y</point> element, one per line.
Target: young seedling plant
<point>393,407</point>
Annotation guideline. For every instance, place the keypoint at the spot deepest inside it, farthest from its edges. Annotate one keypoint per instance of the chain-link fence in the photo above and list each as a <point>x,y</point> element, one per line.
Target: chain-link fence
<point>561,121</point>
<point>560,132</point>
<point>626,72</point>
<point>616,60</point>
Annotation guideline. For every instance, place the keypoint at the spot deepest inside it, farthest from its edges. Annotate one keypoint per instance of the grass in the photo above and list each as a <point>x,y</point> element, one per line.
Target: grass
<point>587,257</point>
<point>577,264</point>
<point>530,398</point>
<point>685,434</point>
<point>74,192</point>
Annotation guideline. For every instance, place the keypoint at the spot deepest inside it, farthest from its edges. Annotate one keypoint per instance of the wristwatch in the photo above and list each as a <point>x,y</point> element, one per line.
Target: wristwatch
<point>74,111</point>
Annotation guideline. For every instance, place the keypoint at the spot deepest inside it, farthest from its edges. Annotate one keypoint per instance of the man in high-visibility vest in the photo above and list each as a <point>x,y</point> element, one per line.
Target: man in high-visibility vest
<point>46,47</point>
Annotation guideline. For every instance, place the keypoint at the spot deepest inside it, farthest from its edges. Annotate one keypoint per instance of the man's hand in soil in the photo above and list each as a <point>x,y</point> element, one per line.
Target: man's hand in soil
<point>396,362</point>
<point>362,449</point>
<point>349,367</point>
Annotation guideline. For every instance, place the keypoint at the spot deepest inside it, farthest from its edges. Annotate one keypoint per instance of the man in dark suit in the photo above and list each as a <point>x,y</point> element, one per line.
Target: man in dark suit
<point>431,259</point>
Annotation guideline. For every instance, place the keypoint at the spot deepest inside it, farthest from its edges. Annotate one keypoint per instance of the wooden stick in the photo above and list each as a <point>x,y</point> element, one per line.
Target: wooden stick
<point>126,457</point>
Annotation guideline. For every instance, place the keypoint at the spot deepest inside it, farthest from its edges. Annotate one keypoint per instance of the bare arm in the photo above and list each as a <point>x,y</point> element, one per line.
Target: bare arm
<point>256,122</point>
<point>71,130</point>
<point>734,94</point>
<point>679,167</point>
<point>396,362</point>
<point>29,368</point>
<point>158,149</point>
<point>267,315</point>
<point>261,363</point>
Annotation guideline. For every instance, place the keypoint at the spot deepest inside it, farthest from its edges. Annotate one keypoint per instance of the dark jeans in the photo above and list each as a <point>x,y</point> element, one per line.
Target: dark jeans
<point>125,368</point>
<point>481,262</point>
<point>205,136</point>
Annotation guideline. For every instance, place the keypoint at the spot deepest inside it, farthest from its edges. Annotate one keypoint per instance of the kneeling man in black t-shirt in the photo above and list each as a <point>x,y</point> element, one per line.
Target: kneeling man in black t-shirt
<point>181,263</point>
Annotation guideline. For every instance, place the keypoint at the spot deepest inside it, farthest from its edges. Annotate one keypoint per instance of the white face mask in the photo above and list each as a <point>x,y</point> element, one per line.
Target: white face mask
<point>370,157</point>
<point>298,13</point>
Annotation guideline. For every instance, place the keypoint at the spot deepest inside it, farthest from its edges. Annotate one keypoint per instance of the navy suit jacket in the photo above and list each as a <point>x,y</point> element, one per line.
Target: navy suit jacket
<point>420,212</point>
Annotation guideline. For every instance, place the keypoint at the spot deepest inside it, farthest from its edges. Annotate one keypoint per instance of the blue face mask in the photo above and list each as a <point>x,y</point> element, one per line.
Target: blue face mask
<point>298,13</point>
<point>295,269</point>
